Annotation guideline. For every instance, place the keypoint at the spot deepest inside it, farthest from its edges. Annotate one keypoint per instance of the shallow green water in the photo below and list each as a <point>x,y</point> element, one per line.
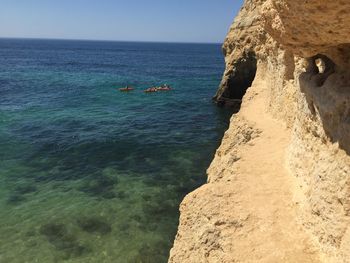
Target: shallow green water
<point>89,174</point>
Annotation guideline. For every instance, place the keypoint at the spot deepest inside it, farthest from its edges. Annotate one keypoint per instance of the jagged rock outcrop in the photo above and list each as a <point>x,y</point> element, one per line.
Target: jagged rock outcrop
<point>240,48</point>
<point>279,186</point>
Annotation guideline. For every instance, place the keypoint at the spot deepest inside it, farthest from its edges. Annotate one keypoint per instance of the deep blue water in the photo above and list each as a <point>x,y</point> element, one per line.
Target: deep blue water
<point>90,174</point>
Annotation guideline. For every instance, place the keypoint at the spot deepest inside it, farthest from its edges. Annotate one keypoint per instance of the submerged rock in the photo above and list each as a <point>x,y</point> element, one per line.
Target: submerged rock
<point>25,189</point>
<point>15,198</point>
<point>154,252</point>
<point>19,193</point>
<point>63,240</point>
<point>100,186</point>
<point>97,225</point>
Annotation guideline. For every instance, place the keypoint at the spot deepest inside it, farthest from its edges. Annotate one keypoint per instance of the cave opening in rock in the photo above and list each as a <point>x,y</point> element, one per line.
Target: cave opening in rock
<point>240,80</point>
<point>320,67</point>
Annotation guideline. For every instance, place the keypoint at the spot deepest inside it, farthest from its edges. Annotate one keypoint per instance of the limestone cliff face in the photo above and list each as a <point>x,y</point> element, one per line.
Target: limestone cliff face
<point>319,150</point>
<point>240,46</point>
<point>279,186</point>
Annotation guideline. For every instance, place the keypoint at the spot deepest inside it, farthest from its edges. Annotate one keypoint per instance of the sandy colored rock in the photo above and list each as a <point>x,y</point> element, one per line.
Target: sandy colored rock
<point>246,211</point>
<point>279,186</point>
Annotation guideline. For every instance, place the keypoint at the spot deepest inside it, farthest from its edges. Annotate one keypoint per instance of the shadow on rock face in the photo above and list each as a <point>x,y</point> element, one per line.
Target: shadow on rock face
<point>326,89</point>
<point>236,82</point>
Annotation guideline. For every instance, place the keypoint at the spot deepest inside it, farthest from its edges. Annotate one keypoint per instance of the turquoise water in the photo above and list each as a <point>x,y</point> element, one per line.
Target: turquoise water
<point>90,174</point>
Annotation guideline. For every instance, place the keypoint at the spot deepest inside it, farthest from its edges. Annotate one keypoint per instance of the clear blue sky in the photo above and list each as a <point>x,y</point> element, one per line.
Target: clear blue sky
<point>135,20</point>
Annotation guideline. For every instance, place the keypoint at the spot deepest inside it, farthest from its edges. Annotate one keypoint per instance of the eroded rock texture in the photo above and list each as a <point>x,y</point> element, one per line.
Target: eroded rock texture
<point>320,147</point>
<point>239,49</point>
<point>279,186</point>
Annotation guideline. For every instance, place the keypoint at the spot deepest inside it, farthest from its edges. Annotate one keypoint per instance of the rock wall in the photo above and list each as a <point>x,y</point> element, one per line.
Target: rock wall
<point>240,46</point>
<point>296,53</point>
<point>318,97</point>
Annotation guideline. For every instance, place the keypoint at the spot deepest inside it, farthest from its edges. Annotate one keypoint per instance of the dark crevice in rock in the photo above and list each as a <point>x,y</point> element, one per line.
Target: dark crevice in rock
<point>327,100</point>
<point>320,68</point>
<point>236,82</point>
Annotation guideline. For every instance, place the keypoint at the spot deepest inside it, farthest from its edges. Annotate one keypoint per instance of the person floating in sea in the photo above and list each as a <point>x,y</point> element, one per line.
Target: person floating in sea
<point>127,88</point>
<point>165,87</point>
<point>152,89</point>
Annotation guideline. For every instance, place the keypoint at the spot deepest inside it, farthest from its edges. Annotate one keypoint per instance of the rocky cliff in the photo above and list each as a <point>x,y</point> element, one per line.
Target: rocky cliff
<point>279,186</point>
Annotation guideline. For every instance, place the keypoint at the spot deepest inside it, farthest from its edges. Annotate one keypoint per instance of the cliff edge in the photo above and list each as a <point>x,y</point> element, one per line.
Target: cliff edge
<point>278,188</point>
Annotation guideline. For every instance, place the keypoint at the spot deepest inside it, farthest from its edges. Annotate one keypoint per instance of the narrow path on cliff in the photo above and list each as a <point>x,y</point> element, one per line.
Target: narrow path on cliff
<point>267,190</point>
<point>246,212</point>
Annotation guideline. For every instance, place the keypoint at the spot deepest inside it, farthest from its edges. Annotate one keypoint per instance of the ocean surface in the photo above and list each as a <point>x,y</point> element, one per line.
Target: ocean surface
<point>91,174</point>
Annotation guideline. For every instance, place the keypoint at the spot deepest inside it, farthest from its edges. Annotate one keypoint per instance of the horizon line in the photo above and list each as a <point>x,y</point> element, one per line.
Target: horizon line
<point>110,40</point>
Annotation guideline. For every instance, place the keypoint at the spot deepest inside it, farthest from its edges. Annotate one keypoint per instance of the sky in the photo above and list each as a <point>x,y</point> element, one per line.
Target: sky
<point>125,20</point>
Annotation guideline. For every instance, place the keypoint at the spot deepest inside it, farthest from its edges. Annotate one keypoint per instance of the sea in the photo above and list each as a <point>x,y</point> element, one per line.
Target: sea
<point>92,174</point>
